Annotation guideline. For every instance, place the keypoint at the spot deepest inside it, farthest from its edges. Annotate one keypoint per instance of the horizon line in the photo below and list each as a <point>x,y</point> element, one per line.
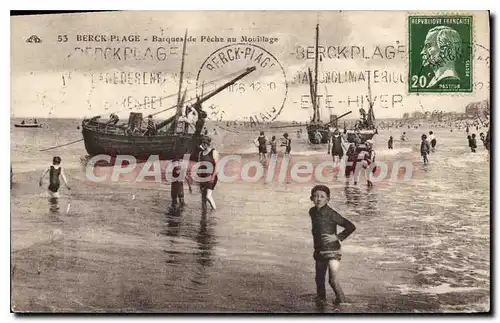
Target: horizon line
<point>224,121</point>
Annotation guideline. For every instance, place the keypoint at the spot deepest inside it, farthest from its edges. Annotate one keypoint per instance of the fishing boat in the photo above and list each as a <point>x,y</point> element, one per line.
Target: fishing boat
<point>27,125</point>
<point>316,126</point>
<point>318,131</point>
<point>166,141</point>
<point>365,128</point>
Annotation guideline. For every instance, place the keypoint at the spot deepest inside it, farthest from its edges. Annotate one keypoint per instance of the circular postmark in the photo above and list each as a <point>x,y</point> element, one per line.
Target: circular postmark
<point>471,55</point>
<point>258,97</point>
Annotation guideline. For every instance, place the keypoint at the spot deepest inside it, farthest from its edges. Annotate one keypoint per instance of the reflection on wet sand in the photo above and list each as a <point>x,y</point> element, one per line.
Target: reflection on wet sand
<point>206,242</point>
<point>181,226</point>
<point>119,250</point>
<point>54,205</point>
<point>362,200</point>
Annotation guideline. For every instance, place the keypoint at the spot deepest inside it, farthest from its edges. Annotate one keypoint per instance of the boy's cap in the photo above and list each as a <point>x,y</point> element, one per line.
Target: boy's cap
<point>322,188</point>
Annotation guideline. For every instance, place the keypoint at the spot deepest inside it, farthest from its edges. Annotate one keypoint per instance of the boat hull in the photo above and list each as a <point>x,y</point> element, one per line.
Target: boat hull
<point>166,147</point>
<point>324,130</point>
<point>364,135</point>
<point>27,125</point>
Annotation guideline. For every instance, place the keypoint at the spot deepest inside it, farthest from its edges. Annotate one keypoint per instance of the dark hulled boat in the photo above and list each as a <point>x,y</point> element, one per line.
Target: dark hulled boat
<point>365,128</point>
<point>27,125</point>
<point>314,127</point>
<point>166,146</point>
<point>165,141</point>
<point>316,124</point>
<point>103,138</point>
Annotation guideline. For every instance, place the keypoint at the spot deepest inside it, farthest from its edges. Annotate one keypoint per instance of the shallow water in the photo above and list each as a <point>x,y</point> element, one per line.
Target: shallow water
<point>421,245</point>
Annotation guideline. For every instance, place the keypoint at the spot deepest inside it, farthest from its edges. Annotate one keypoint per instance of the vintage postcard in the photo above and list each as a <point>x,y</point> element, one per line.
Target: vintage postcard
<point>250,162</point>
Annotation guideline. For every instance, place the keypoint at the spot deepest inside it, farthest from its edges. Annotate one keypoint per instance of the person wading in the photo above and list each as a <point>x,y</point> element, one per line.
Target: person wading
<point>208,178</point>
<point>337,150</point>
<point>261,143</point>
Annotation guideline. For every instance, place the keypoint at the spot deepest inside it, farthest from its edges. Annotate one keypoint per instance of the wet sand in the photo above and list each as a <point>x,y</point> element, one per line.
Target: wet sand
<point>118,249</point>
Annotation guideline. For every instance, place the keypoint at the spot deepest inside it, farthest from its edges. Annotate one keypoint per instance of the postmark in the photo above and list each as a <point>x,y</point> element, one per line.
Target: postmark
<point>263,92</point>
<point>440,54</point>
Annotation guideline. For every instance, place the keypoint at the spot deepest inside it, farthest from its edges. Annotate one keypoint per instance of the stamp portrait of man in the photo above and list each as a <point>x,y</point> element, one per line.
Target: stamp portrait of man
<point>441,50</point>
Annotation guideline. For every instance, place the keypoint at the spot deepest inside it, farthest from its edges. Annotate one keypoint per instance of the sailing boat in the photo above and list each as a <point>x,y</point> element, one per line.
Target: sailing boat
<point>24,124</point>
<point>318,131</point>
<point>316,125</point>
<point>365,128</point>
<point>167,141</point>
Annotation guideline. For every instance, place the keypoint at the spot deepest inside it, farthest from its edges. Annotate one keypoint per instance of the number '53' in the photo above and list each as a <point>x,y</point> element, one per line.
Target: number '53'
<point>62,38</point>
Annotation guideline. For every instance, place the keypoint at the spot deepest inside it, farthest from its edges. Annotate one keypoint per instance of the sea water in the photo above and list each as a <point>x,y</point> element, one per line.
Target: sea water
<point>421,245</point>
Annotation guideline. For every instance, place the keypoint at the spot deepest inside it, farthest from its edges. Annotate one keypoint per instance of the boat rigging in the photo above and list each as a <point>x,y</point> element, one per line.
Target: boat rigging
<point>169,142</point>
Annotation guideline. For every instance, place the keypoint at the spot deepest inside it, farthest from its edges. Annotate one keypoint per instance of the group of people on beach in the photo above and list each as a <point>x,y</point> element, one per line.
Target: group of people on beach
<point>262,142</point>
<point>484,139</point>
<point>324,219</point>
<point>206,154</point>
<point>327,249</point>
<point>428,144</point>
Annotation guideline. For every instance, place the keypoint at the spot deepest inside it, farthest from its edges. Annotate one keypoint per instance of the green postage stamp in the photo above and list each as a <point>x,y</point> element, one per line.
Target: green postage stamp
<point>440,54</point>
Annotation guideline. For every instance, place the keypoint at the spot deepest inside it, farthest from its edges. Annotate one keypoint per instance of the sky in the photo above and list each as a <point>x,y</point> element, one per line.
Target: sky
<point>130,66</point>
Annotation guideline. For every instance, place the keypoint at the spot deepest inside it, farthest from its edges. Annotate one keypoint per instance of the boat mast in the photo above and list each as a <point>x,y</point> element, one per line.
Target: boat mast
<point>199,101</point>
<point>313,97</point>
<point>371,116</point>
<point>182,69</point>
<point>316,107</point>
<point>181,76</point>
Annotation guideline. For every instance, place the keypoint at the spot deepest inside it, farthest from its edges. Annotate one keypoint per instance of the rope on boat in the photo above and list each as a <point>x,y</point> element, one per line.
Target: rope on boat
<point>175,94</point>
<point>69,143</point>
<point>225,129</point>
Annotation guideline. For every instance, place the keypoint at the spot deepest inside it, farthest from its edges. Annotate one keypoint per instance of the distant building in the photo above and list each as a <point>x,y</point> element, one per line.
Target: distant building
<point>417,115</point>
<point>477,108</point>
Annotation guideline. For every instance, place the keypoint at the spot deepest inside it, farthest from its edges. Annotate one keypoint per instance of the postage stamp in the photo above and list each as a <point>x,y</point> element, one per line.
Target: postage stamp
<point>440,54</point>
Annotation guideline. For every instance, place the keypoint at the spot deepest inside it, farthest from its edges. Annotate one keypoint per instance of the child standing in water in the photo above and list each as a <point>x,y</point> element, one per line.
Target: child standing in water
<point>273,144</point>
<point>287,143</point>
<point>209,175</point>
<point>177,185</point>
<point>261,142</point>
<point>481,136</point>
<point>472,142</point>
<point>433,140</point>
<point>390,142</point>
<point>55,170</point>
<point>327,249</point>
<point>424,148</point>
